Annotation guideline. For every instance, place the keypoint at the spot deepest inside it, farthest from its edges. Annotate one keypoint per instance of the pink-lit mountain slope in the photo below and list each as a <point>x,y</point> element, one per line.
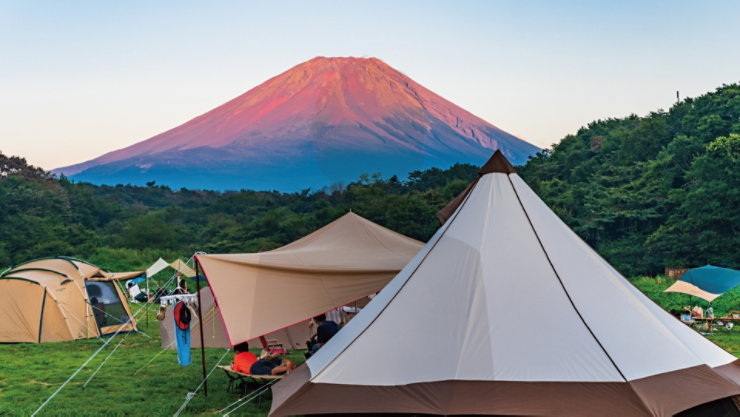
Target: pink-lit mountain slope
<point>324,121</point>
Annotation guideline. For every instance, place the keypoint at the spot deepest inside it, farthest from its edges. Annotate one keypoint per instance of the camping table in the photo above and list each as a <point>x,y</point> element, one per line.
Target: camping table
<point>710,321</point>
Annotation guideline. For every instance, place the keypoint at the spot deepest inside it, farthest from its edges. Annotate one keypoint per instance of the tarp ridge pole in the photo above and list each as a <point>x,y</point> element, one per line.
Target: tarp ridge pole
<point>202,343</point>
<point>148,300</point>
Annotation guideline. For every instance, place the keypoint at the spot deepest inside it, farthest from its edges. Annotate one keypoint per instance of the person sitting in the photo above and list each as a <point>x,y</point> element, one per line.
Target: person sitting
<point>271,367</point>
<point>182,286</point>
<point>99,312</point>
<point>325,330</point>
<point>161,292</point>
<point>133,290</point>
<point>137,294</point>
<point>697,313</point>
<point>710,312</point>
<point>243,358</point>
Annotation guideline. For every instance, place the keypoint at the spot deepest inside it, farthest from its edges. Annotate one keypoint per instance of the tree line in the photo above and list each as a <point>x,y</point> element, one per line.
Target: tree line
<point>645,192</point>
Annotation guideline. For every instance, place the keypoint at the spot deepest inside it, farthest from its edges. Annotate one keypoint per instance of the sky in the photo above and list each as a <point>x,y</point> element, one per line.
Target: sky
<point>82,78</point>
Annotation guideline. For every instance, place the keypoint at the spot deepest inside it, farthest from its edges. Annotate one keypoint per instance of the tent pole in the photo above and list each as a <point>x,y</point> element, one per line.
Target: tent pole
<point>200,320</point>
<point>146,303</point>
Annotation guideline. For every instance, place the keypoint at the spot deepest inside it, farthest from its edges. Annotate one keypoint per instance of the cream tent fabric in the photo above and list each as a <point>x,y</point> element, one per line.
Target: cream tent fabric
<point>214,332</point>
<point>348,259</point>
<point>519,317</point>
<point>183,268</point>
<point>157,266</point>
<point>178,265</point>
<point>56,299</point>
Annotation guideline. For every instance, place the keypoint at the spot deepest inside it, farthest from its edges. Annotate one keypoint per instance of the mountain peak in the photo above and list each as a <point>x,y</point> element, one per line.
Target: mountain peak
<point>315,115</point>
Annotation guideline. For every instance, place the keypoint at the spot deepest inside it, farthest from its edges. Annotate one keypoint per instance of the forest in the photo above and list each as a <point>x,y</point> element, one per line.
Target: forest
<point>649,192</point>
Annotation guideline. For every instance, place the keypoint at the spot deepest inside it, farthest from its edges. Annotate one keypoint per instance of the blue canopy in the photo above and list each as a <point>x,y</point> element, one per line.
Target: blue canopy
<point>707,282</point>
<point>137,280</point>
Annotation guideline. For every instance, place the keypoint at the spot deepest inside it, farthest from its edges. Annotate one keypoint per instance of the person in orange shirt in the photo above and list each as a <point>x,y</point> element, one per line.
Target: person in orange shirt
<point>243,358</point>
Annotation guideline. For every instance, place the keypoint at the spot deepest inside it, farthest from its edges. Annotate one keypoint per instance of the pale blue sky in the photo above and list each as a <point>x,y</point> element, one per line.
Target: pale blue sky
<point>78,79</point>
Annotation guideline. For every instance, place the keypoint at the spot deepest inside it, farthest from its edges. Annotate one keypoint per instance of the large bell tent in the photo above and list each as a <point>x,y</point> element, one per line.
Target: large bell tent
<point>518,316</point>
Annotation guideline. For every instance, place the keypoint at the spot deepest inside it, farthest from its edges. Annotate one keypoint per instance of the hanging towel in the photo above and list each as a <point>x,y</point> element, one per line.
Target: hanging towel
<point>182,334</point>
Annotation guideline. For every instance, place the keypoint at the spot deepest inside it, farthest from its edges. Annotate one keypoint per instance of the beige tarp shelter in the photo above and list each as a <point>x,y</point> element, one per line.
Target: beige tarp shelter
<point>519,317</point>
<point>346,260</point>
<point>178,265</point>
<point>214,332</point>
<point>58,299</point>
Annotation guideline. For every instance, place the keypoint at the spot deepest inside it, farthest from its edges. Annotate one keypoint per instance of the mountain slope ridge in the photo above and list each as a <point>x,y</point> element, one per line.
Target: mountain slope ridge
<point>355,109</point>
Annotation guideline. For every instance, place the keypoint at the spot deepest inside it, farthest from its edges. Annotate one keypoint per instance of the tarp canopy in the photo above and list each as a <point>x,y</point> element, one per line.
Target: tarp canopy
<point>519,316</point>
<point>214,332</point>
<point>156,267</point>
<point>348,259</point>
<point>707,282</point>
<point>178,265</point>
<point>183,268</point>
<point>62,298</point>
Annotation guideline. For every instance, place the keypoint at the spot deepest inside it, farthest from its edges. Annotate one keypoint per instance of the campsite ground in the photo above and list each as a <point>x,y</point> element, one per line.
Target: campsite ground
<point>30,373</point>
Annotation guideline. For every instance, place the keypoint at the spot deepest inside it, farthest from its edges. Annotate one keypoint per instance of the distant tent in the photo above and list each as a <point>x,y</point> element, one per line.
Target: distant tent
<point>214,332</point>
<point>346,260</point>
<point>707,282</point>
<point>178,265</point>
<point>58,299</point>
<point>518,316</point>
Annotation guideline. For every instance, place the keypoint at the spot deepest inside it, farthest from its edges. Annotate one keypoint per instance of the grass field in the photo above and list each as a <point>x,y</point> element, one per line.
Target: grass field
<point>30,373</point>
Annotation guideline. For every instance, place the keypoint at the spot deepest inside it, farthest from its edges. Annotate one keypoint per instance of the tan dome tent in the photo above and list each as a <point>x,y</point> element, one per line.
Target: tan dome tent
<point>518,317</point>
<point>346,260</point>
<point>58,299</point>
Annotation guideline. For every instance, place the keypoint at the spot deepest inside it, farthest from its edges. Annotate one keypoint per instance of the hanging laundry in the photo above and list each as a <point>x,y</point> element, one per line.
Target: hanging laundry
<point>182,333</point>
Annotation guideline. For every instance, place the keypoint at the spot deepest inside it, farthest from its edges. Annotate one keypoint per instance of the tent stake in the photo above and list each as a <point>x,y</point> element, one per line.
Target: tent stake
<point>202,344</point>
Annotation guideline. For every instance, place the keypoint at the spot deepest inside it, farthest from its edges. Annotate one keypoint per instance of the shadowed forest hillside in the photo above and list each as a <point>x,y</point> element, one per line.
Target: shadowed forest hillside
<point>645,192</point>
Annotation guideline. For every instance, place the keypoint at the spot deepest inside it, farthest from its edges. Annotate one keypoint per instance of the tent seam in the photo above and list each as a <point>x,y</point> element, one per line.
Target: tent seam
<point>562,285</point>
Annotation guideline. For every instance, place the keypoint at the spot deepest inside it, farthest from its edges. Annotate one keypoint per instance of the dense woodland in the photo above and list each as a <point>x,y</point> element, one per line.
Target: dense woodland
<point>646,192</point>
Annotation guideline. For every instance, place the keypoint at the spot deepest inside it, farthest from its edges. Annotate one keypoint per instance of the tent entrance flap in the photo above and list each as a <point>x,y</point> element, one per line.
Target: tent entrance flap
<point>108,309</point>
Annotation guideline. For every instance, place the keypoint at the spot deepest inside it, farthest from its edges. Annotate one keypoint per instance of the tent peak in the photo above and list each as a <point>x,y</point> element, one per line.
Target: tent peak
<point>497,163</point>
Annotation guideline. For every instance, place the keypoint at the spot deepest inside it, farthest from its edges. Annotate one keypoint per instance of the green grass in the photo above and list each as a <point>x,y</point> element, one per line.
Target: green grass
<point>30,373</point>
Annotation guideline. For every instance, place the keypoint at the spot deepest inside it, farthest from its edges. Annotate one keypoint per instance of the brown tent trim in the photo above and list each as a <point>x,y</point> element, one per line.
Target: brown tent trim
<point>656,396</point>
<point>496,164</point>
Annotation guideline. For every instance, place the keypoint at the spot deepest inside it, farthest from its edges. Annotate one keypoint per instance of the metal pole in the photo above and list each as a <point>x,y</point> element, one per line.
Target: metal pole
<point>146,303</point>
<point>200,320</point>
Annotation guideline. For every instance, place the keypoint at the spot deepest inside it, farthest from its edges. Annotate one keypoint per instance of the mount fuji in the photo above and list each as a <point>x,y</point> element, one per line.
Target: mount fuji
<point>325,121</point>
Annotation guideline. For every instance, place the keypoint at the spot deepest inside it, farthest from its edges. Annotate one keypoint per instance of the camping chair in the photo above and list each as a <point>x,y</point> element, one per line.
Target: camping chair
<point>273,349</point>
<point>235,376</point>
